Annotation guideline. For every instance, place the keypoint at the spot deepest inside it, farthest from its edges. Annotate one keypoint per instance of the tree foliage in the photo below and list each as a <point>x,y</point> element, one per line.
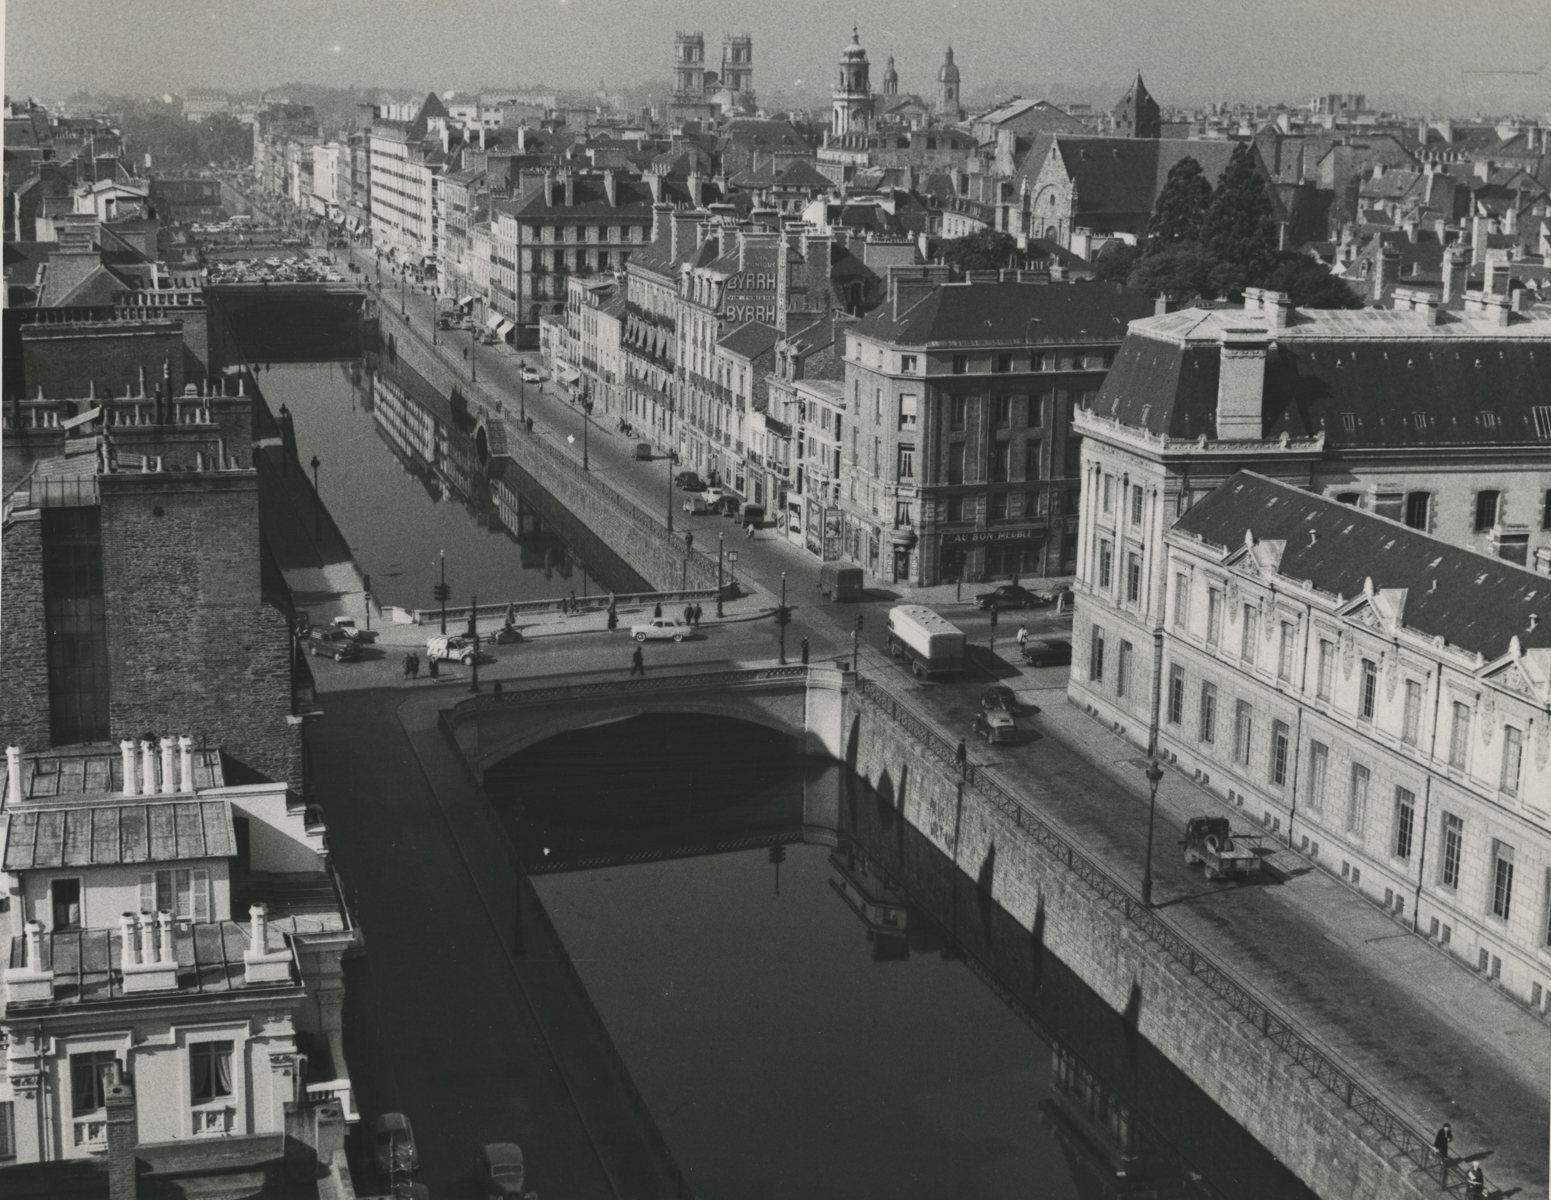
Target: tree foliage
<point>1240,224</point>
<point>985,250</point>
<point>175,144</point>
<point>1183,270</point>
<point>1181,206</point>
<point>1309,283</point>
<point>1116,261</point>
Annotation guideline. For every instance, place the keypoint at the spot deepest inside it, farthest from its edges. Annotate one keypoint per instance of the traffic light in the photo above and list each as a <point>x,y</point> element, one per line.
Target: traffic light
<point>442,592</point>
<point>993,618</point>
<point>858,622</point>
<point>783,615</point>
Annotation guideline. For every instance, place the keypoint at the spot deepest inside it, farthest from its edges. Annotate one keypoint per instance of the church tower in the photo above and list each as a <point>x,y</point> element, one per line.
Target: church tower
<point>890,79</point>
<point>852,111</point>
<point>1138,115</point>
<point>948,89</point>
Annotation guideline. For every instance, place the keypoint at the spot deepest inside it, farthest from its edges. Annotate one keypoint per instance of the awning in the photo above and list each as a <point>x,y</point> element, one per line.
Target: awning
<point>465,301</point>
<point>569,375</point>
<point>504,328</point>
<point>493,320</point>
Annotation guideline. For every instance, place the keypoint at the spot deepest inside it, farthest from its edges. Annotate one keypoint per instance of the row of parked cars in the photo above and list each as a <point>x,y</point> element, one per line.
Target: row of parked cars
<point>500,1168</point>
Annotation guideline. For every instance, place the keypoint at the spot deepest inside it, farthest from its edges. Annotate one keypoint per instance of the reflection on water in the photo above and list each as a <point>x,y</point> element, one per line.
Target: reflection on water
<point>404,473</point>
<point>815,1002</point>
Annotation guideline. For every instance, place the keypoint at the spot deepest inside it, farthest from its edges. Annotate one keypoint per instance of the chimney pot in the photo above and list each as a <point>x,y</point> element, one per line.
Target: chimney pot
<point>185,764</point>
<point>13,774</point>
<point>169,778</point>
<point>128,951</point>
<point>1241,384</point>
<point>126,750</point>
<point>148,767</point>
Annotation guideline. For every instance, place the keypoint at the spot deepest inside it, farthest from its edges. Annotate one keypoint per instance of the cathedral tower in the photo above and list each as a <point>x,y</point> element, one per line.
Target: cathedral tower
<point>948,89</point>
<point>853,97</point>
<point>1138,115</point>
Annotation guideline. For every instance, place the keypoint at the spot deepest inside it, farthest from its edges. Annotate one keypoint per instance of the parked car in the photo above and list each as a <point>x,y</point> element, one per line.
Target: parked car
<point>501,1170</point>
<point>531,374</point>
<point>450,646</point>
<point>689,481</point>
<point>1057,593</point>
<point>996,727</point>
<point>840,582</point>
<point>507,635</point>
<point>643,451</point>
<point>348,626</point>
<point>1009,595</point>
<point>1047,652</point>
<point>332,643</point>
<point>998,698</point>
<point>660,629</point>
<point>393,1144</point>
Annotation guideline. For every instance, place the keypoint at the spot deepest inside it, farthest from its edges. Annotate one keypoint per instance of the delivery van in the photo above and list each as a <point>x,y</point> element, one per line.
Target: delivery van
<point>840,582</point>
<point>934,645</point>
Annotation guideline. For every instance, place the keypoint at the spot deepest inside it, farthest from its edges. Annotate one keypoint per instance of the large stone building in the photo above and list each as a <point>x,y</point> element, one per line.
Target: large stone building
<point>851,109</point>
<point>703,94</point>
<point>408,162</point>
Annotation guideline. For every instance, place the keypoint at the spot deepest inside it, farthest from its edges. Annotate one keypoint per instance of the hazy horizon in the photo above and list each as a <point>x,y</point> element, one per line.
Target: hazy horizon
<point>1189,51</point>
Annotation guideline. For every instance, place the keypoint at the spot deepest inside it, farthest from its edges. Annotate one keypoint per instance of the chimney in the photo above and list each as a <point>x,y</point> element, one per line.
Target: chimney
<point>1480,232</point>
<point>1497,276</point>
<point>126,749</point>
<point>662,221</point>
<point>686,233</point>
<point>609,188</point>
<point>654,182</point>
<point>726,238</point>
<point>258,929</point>
<point>1163,304</point>
<point>569,180</point>
<point>13,774</point>
<point>1410,225</point>
<point>1386,270</point>
<point>123,1136</point>
<point>695,188</point>
<point>148,767</point>
<point>169,779</point>
<point>549,189</point>
<point>1277,308</point>
<point>1454,273</point>
<point>185,765</point>
<point>1241,384</point>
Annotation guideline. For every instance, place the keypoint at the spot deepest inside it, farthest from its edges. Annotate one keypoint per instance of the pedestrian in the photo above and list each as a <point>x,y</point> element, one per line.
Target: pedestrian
<point>530,424</point>
<point>1441,1142</point>
<point>573,601</point>
<point>1475,1182</point>
<point>689,541</point>
<point>435,668</point>
<point>698,611</point>
<point>1023,634</point>
<point>414,666</point>
<point>409,665</point>
<point>689,614</point>
<point>751,531</point>
<point>805,652</point>
<point>613,619</point>
<point>657,612</point>
<point>638,662</point>
<point>497,686</point>
<point>961,755</point>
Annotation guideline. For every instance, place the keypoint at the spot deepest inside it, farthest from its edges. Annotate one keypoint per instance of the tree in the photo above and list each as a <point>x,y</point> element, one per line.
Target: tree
<point>1116,261</point>
<point>1181,206</point>
<point>1309,284</point>
<point>986,250</point>
<point>1183,271</point>
<point>1240,224</point>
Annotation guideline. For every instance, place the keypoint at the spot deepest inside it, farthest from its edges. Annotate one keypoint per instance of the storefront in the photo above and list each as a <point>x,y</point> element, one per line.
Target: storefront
<point>984,554</point>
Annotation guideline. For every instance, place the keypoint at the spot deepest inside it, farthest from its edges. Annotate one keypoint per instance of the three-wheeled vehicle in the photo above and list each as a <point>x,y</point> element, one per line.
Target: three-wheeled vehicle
<point>1222,853</point>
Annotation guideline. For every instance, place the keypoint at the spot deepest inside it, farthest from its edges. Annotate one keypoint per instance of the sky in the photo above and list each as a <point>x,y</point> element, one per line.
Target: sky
<point>1189,51</point>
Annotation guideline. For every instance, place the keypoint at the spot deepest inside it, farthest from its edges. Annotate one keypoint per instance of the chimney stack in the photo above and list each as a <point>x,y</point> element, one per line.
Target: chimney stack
<point>1241,384</point>
<point>123,1136</point>
<point>169,779</point>
<point>1497,275</point>
<point>696,188</point>
<point>1386,270</point>
<point>13,774</point>
<point>549,189</point>
<point>1454,273</point>
<point>609,187</point>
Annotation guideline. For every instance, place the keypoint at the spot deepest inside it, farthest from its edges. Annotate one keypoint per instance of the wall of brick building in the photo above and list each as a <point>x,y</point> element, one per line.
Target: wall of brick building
<point>194,649</point>
<point>67,360</point>
<point>24,717</point>
<point>1303,1125</point>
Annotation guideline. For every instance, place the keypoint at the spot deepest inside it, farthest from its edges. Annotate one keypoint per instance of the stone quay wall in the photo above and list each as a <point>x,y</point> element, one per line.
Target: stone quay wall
<point>638,535</point>
<point>1330,1130</point>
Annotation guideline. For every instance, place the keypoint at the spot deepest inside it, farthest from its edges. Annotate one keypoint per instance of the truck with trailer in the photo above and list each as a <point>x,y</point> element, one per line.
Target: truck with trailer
<point>933,645</point>
<point>1222,853</point>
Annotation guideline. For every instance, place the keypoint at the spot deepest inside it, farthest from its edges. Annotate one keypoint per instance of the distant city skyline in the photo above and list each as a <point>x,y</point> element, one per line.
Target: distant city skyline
<point>1190,51</point>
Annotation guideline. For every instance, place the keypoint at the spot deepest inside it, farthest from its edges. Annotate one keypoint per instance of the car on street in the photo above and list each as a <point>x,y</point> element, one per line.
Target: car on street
<point>689,481</point>
<point>996,727</point>
<point>348,626</point>
<point>660,629</point>
<point>998,698</point>
<point>531,374</point>
<point>1009,595</point>
<point>1047,652</point>
<point>507,635</point>
<point>393,1144</point>
<point>453,645</point>
<point>501,1170</point>
<point>333,643</point>
<point>643,451</point>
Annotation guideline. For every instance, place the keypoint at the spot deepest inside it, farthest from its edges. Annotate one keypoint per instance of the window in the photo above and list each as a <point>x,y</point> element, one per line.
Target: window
<point>1284,652</point>
<point>996,506</point>
<point>1453,848</point>
<point>1248,631</point>
<point>877,406</point>
<point>1136,504</point>
<point>77,631</point>
<point>1411,719</point>
<point>961,364</point>
<point>1109,494</point>
<point>1123,673</point>
<point>1502,879</point>
<point>907,411</point>
<point>1106,562</point>
<point>907,462</point>
<point>1096,656</point>
<point>1542,414</point>
<point>65,895</point>
<point>91,1075</point>
<point>210,1072</point>
<point>1418,509</point>
<point>955,508</point>
<point>1368,691</point>
<point>1213,616</point>
<point>1487,510</point>
<point>1357,800</point>
<point>1545,511</point>
<point>7,1130</point>
<point>1037,363</point>
<point>1208,712</point>
<point>877,455</point>
<point>1243,731</point>
<point>1513,759</point>
<point>1002,362</point>
<point>1181,599</point>
<point>1001,452</point>
<point>958,411</point>
<point>1319,769</point>
<point>1352,498</point>
<point>1001,411</point>
<point>1031,458</point>
<point>1327,669</point>
<point>956,463</point>
<point>907,363</point>
<point>1405,821</point>
<point>1279,753</point>
<point>1176,695</point>
<point>1133,578</point>
<point>184,893</point>
<point>1459,735</point>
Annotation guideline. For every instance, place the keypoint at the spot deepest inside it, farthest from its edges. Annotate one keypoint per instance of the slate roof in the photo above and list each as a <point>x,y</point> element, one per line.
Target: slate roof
<point>106,834</point>
<point>1359,376</point>
<point>1001,314</point>
<point>1336,547</point>
<point>751,339</point>
<point>1123,176</point>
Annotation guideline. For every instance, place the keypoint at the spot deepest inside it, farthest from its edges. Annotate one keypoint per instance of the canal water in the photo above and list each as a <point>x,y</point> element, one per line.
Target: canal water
<point>402,472</point>
<point>814,1002</point>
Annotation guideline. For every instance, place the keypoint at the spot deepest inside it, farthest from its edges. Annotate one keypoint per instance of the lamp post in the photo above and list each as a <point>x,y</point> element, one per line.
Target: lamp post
<point>474,344</point>
<point>586,407</point>
<point>317,503</point>
<point>474,635</point>
<point>668,462</point>
<point>784,618</point>
<point>441,588</point>
<point>404,291</point>
<point>1154,777</point>
<point>719,574</point>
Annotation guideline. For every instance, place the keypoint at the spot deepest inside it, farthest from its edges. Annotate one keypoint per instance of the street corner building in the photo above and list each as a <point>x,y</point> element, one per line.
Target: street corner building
<point>1314,572</point>
<point>173,988</point>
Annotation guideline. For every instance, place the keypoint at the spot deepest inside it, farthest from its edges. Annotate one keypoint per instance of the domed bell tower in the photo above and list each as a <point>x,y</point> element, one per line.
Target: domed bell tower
<point>853,97</point>
<point>948,89</point>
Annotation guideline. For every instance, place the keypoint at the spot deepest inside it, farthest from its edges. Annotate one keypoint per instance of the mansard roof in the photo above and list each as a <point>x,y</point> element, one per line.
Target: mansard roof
<point>1010,314</point>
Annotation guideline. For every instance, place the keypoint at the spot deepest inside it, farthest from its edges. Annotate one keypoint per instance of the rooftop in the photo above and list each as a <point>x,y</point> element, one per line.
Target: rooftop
<point>966,314</point>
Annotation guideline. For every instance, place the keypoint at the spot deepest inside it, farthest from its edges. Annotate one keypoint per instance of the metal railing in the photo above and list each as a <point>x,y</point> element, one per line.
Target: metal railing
<point>1393,1129</point>
<point>528,697</point>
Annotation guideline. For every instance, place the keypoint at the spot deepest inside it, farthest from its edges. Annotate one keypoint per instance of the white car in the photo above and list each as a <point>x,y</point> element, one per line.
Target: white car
<point>452,646</point>
<point>660,629</point>
<point>531,374</point>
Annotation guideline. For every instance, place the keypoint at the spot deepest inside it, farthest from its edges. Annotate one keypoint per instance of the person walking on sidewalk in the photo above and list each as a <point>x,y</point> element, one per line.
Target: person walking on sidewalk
<point>638,663</point>
<point>409,666</point>
<point>1023,634</point>
<point>1475,1183</point>
<point>435,668</point>
<point>751,531</point>
<point>613,621</point>
<point>698,612</point>
<point>689,614</point>
<point>657,612</point>
<point>1441,1142</point>
<point>805,652</point>
<point>961,756</point>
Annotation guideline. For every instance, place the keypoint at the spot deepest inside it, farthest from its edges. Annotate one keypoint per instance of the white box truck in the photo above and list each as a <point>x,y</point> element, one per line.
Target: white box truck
<point>933,645</point>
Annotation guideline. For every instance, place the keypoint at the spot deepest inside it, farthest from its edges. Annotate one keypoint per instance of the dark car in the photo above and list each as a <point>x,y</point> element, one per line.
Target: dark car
<point>996,727</point>
<point>1047,652</point>
<point>998,698</point>
<point>501,1170</point>
<point>333,643</point>
<point>689,481</point>
<point>1009,595</point>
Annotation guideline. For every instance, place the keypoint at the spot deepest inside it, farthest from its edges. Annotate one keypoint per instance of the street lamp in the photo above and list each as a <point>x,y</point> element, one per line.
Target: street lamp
<point>668,461</point>
<point>719,574</point>
<point>586,407</point>
<point>1154,777</point>
<point>474,635</point>
<point>783,618</point>
<point>317,502</point>
<point>441,589</point>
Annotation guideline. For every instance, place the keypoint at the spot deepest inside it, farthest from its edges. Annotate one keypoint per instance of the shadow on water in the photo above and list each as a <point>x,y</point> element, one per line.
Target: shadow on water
<point>1120,1119</point>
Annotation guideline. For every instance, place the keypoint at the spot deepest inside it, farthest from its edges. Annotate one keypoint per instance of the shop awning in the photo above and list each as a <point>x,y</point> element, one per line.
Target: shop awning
<point>465,301</point>
<point>569,375</point>
<point>504,328</point>
<point>493,320</point>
